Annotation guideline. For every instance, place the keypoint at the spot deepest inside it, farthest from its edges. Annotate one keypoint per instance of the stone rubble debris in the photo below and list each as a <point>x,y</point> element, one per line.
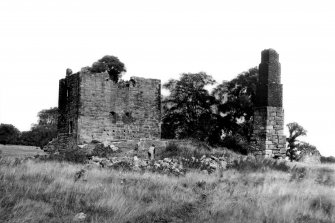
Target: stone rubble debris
<point>79,217</point>
<point>207,164</point>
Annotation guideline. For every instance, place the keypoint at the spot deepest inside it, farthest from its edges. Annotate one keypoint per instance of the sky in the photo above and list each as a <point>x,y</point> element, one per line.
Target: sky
<point>39,39</point>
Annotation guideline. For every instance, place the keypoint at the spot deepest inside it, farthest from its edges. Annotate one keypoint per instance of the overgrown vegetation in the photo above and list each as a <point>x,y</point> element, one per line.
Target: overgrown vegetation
<point>112,65</point>
<point>297,150</point>
<point>329,159</point>
<point>9,134</point>
<point>39,134</point>
<point>186,149</point>
<point>252,192</point>
<point>220,117</point>
<point>188,109</point>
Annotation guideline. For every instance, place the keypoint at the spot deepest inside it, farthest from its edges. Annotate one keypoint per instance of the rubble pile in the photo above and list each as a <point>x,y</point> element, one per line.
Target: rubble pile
<point>172,166</point>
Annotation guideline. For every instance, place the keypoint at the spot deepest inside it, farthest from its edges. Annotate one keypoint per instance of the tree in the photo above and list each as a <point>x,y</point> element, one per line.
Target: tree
<point>112,65</point>
<point>188,110</point>
<point>48,117</point>
<point>329,159</point>
<point>9,134</point>
<point>299,149</point>
<point>44,131</point>
<point>306,148</point>
<point>295,131</point>
<point>236,100</point>
<point>38,136</point>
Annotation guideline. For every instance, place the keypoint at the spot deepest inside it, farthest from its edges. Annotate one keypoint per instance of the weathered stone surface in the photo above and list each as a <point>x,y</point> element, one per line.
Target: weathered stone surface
<point>269,89</point>
<point>68,72</point>
<point>268,126</point>
<point>166,166</point>
<point>79,217</point>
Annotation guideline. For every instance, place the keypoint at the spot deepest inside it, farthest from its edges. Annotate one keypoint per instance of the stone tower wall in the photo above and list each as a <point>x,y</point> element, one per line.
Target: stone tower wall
<point>267,138</point>
<point>113,111</point>
<point>93,107</point>
<point>68,104</point>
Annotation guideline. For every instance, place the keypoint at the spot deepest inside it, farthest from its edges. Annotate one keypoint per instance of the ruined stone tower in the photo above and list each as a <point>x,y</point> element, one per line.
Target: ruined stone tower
<point>93,107</point>
<point>267,138</point>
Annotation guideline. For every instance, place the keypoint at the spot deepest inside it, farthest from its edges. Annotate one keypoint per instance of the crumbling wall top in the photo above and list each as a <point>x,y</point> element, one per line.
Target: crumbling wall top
<point>269,55</point>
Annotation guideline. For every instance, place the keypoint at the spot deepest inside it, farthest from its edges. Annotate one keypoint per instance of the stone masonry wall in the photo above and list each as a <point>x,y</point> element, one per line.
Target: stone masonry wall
<point>126,110</point>
<point>68,104</point>
<point>96,108</point>
<point>268,126</point>
<point>268,131</point>
<point>62,104</point>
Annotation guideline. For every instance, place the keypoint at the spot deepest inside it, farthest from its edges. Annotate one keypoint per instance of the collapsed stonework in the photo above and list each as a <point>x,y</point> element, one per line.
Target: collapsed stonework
<point>268,139</point>
<point>93,107</point>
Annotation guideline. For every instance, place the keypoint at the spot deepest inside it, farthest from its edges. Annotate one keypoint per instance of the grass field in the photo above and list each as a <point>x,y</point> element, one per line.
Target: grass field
<point>49,192</point>
<point>20,151</point>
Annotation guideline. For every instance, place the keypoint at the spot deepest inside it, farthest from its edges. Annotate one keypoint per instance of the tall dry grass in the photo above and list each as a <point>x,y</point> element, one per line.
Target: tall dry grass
<point>48,192</point>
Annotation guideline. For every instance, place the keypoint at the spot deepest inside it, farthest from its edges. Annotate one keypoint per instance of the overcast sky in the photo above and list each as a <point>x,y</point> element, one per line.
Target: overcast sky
<point>39,39</point>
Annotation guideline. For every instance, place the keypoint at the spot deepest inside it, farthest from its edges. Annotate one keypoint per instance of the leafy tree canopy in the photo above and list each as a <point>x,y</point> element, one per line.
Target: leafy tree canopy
<point>48,116</point>
<point>236,103</point>
<point>295,131</point>
<point>187,111</point>
<point>9,134</point>
<point>298,149</point>
<point>112,65</point>
<point>44,131</point>
<point>191,111</point>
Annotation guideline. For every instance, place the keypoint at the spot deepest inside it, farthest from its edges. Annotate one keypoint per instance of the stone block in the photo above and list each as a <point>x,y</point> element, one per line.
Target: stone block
<point>282,141</point>
<point>268,152</point>
<point>271,147</point>
<point>280,132</point>
<point>268,142</point>
<point>269,127</point>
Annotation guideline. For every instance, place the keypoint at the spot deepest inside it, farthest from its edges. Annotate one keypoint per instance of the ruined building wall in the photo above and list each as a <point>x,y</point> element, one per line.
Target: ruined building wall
<point>268,126</point>
<point>99,109</point>
<point>62,101</point>
<point>68,104</point>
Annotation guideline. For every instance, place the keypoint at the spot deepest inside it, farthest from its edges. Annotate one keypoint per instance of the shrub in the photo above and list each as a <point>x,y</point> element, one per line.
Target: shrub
<point>99,149</point>
<point>298,173</point>
<point>186,149</point>
<point>171,150</point>
<point>250,164</point>
<point>112,65</point>
<point>325,176</point>
<point>9,134</point>
<point>236,143</point>
<point>73,153</point>
<point>323,204</point>
<point>76,155</point>
<point>329,159</point>
<point>122,165</point>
